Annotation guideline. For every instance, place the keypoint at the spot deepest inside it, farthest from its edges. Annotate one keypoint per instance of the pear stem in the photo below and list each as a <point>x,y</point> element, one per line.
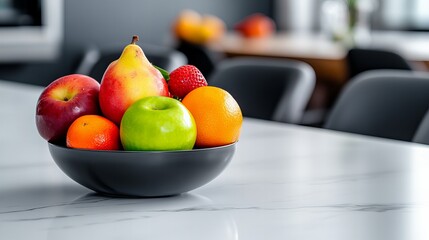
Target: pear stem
<point>135,39</point>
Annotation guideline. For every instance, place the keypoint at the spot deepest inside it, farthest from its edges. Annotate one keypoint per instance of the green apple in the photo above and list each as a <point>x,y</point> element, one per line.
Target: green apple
<point>158,123</point>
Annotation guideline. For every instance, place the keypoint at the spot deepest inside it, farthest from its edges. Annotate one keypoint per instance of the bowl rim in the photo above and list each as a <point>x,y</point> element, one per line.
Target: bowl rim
<point>144,151</point>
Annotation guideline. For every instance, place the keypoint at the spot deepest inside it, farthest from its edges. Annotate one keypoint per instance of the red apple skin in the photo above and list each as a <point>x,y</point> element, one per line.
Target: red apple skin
<point>64,100</point>
<point>256,26</point>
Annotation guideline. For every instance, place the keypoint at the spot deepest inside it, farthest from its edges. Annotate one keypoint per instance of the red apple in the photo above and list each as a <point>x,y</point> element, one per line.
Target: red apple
<point>63,101</point>
<point>256,26</point>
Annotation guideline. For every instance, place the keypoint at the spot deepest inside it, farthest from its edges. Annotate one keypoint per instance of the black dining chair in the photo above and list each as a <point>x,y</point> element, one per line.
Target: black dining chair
<point>200,56</point>
<point>94,62</point>
<point>364,59</point>
<point>270,89</point>
<point>382,103</point>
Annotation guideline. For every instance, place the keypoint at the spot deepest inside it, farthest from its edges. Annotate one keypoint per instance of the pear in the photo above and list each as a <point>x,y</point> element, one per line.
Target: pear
<point>128,79</point>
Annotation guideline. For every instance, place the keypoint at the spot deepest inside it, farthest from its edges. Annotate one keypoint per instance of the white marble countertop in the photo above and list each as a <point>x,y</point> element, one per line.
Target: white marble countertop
<point>284,182</point>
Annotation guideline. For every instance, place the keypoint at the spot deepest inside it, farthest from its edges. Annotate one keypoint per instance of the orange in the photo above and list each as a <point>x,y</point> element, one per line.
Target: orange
<point>196,28</point>
<point>217,115</point>
<point>93,132</point>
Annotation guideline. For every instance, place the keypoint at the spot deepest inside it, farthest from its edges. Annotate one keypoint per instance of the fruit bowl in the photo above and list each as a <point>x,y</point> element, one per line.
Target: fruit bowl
<point>142,173</point>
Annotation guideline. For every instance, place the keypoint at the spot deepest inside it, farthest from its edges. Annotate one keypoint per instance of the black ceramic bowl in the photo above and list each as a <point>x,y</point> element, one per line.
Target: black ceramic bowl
<point>142,173</point>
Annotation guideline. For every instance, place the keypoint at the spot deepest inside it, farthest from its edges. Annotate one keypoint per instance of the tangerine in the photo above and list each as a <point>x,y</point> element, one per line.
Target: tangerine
<point>93,132</point>
<point>217,115</point>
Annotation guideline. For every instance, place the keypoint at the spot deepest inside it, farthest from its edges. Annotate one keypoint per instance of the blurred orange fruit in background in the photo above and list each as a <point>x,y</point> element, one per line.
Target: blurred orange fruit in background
<point>217,115</point>
<point>93,132</point>
<point>196,28</point>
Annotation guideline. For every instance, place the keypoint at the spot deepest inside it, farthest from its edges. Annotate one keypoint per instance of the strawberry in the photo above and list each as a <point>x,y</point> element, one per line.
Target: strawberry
<point>185,79</point>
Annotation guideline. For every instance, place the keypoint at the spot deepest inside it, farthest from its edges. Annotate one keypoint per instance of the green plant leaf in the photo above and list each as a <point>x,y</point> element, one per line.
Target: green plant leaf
<point>164,73</point>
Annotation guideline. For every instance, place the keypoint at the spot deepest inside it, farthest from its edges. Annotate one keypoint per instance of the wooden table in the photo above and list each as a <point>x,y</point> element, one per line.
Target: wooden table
<point>327,57</point>
<point>284,182</point>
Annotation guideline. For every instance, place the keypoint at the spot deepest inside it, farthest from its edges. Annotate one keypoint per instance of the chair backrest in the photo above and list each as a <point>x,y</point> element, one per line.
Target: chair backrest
<point>95,61</point>
<point>382,103</point>
<point>422,132</point>
<point>360,60</point>
<point>270,89</point>
<point>200,56</point>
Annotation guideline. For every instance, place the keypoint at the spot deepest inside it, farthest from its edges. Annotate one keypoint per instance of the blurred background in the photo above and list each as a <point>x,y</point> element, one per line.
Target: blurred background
<point>64,29</point>
<point>41,40</point>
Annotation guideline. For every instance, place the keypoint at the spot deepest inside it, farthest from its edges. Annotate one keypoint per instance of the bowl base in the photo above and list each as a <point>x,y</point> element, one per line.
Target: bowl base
<point>112,195</point>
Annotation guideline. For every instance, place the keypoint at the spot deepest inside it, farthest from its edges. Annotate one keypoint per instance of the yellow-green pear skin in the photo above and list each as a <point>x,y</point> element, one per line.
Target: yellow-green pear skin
<point>127,80</point>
